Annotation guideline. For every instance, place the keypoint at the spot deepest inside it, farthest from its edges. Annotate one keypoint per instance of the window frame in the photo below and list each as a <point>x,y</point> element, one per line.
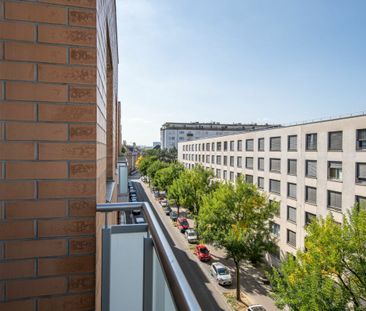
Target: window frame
<point>329,141</point>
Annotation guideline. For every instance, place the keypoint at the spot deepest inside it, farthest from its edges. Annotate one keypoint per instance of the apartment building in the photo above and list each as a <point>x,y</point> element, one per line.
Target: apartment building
<point>172,133</point>
<point>312,169</point>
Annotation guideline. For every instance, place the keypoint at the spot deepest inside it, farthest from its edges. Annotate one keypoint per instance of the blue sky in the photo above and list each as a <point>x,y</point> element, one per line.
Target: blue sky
<point>238,61</point>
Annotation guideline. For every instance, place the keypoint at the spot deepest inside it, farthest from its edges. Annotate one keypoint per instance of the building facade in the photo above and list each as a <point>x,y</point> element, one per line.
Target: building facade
<point>59,141</point>
<point>172,133</point>
<point>311,169</point>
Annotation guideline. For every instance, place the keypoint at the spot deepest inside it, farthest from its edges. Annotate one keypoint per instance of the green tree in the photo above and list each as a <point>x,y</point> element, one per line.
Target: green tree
<point>145,162</point>
<point>165,177</point>
<point>154,168</point>
<point>331,273</point>
<point>235,218</point>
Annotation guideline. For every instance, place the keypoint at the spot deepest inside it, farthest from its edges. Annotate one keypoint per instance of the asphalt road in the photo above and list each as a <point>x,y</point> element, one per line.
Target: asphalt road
<point>191,270</point>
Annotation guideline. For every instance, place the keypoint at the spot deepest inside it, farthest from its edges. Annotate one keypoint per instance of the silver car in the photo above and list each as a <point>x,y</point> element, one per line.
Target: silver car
<point>191,235</point>
<point>221,273</point>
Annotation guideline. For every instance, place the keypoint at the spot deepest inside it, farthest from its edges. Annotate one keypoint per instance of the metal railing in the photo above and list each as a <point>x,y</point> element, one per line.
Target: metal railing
<point>154,242</point>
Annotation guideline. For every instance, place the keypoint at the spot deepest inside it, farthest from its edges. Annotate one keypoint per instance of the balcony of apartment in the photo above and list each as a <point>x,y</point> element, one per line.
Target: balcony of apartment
<point>139,269</point>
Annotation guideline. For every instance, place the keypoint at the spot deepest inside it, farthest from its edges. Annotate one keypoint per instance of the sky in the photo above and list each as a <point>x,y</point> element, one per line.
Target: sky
<point>245,61</point>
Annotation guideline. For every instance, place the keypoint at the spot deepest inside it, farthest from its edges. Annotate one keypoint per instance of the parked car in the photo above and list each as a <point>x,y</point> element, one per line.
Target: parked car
<point>164,203</point>
<point>191,235</point>
<point>182,224</point>
<point>202,252</point>
<point>167,210</point>
<point>221,273</point>
<point>162,194</point>
<point>256,308</point>
<point>156,194</point>
<point>173,215</point>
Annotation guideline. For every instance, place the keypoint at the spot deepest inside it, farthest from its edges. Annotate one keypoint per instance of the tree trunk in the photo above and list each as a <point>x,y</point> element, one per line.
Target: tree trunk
<point>237,280</point>
<point>178,206</point>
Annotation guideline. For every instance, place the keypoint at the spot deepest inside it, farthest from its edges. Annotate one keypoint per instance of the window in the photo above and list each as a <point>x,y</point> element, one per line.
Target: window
<point>207,146</point>
<point>275,228</point>
<point>361,173</point>
<point>239,161</point>
<point>207,159</point>
<point>260,144</point>
<point>218,146</point>
<point>249,145</point>
<point>213,146</point>
<point>218,173</point>
<point>310,194</point>
<point>361,139</point>
<point>291,238</point>
<point>238,175</point>
<point>199,158</point>
<point>275,165</point>
<point>292,167</point>
<point>335,170</point>
<point>195,157</point>
<point>275,144</point>
<point>231,145</point>
<point>249,179</point>
<point>260,182</point>
<point>225,145</point>
<point>291,214</point>
<point>203,147</point>
<point>310,168</point>
<point>218,159</point>
<point>311,142</point>
<point>199,147</point>
<point>261,164</point>
<point>213,159</point>
<point>232,161</point>
<point>249,162</point>
<point>309,217</point>
<point>275,186</point>
<point>225,160</point>
<point>335,141</point>
<point>239,145</point>
<point>361,201</point>
<point>224,175</point>
<point>232,176</point>
<point>291,190</point>
<point>292,143</point>
<point>334,199</point>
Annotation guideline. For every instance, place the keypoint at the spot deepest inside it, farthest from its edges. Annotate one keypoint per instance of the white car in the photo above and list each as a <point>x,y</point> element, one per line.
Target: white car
<point>191,235</point>
<point>256,308</point>
<point>163,203</point>
<point>221,273</point>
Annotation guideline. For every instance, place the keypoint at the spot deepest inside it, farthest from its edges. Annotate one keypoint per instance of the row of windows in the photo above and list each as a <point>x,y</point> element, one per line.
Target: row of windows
<point>334,167</point>
<point>335,143</point>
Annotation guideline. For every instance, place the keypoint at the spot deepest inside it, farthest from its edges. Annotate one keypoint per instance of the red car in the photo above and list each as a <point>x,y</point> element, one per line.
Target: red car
<point>182,224</point>
<point>202,252</point>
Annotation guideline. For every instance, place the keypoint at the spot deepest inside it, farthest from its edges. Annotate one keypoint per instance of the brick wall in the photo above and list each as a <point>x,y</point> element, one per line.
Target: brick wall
<point>53,155</point>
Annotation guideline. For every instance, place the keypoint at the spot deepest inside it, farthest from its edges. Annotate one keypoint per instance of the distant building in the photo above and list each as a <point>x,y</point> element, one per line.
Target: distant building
<point>172,133</point>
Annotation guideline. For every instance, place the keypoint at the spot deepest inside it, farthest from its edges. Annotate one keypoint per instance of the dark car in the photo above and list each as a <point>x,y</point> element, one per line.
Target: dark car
<point>173,216</point>
<point>182,224</point>
<point>167,210</point>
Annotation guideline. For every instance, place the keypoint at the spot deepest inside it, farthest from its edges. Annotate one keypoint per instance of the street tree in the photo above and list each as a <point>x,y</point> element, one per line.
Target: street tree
<point>236,219</point>
<point>165,177</point>
<point>331,273</point>
<point>145,162</point>
<point>154,167</point>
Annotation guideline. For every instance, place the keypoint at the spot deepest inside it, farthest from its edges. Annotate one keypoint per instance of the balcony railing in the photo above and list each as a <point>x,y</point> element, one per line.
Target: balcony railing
<point>139,269</point>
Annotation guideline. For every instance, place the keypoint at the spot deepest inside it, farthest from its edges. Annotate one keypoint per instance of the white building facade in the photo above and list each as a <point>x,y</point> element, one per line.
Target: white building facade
<point>312,169</point>
<point>172,133</point>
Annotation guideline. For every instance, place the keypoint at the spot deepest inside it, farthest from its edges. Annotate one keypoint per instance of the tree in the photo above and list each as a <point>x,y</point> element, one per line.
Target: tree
<point>165,177</point>
<point>235,218</point>
<point>145,162</point>
<point>154,168</point>
<point>331,273</point>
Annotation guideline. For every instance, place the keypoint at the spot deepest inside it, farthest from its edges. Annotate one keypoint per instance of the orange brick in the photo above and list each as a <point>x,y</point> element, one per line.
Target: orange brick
<point>35,52</point>
<point>82,18</point>
<point>1,46</point>
<point>2,130</point>
<point>1,171</point>
<point>64,35</point>
<point>16,71</point>
<point>35,209</point>
<point>24,305</point>
<point>81,283</point>
<point>37,287</point>
<point>82,94</point>
<point>36,131</point>
<point>36,170</point>
<point>17,190</point>
<point>35,12</point>
<point>82,207</point>
<point>35,248</point>
<point>16,230</point>
<point>16,151</point>
<point>17,111</point>
<point>61,189</point>
<point>82,246</point>
<point>67,113</point>
<point>83,56</point>
<point>82,170</point>
<point>82,132</point>
<point>36,91</point>
<point>69,303</point>
<point>72,227</point>
<point>77,3</point>
<point>66,74</point>
<point>17,31</point>
<point>71,151</point>
<point>56,266</point>
<point>16,269</point>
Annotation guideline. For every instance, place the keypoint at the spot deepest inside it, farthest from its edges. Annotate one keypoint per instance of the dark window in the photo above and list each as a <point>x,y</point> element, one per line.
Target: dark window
<point>310,195</point>
<point>334,199</point>
<point>225,145</point>
<point>291,190</point>
<point>225,160</point>
<point>207,146</point>
<point>335,170</point>
<point>311,142</point>
<point>275,228</point>
<point>232,176</point>
<point>292,143</point>
<point>275,165</point>
<point>260,144</point>
<point>361,139</point>
<point>291,166</point>
<point>335,141</point>
<point>261,164</point>
<point>361,201</point>
<point>213,159</point>
<point>310,168</point>
<point>218,146</point>
<point>239,161</point>
<point>218,159</point>
<point>213,146</point>
<point>232,161</point>
<point>361,173</point>
<point>240,145</point>
<point>218,173</point>
<point>291,238</point>
<point>309,217</point>
<point>260,182</point>
<point>225,174</point>
<point>275,144</point>
<point>249,145</point>
<point>249,162</point>
<point>231,145</point>
<point>291,214</point>
<point>249,178</point>
<point>275,186</point>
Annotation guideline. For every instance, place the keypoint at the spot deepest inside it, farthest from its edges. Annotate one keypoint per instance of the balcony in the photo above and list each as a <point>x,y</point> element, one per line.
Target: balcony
<point>139,269</point>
